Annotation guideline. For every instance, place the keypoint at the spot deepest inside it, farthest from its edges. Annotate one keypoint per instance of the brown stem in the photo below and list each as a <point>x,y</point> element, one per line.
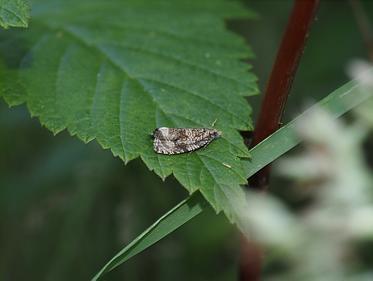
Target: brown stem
<point>282,76</point>
<point>364,26</point>
<point>272,109</point>
<point>250,260</point>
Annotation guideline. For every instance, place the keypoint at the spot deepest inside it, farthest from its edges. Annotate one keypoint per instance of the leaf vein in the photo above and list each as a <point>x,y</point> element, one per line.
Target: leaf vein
<point>183,63</point>
<point>232,113</point>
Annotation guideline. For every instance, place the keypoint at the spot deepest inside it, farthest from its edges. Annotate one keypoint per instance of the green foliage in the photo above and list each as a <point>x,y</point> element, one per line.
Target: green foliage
<point>14,13</point>
<point>337,103</point>
<point>115,70</point>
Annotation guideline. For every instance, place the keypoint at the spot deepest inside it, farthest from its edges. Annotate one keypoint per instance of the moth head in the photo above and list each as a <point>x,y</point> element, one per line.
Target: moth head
<point>160,132</point>
<point>216,134</point>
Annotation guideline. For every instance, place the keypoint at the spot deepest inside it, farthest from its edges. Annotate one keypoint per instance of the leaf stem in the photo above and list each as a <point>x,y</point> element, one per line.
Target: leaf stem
<point>272,109</point>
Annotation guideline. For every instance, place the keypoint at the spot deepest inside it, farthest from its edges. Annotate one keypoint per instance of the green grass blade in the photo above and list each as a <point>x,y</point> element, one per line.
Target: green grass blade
<point>172,220</point>
<point>337,103</point>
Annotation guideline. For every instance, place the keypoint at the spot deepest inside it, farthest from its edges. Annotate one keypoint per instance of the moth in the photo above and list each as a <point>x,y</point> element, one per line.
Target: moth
<point>181,140</point>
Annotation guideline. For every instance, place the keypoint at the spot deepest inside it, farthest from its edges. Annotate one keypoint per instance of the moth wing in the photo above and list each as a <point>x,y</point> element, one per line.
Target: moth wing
<point>164,146</point>
<point>181,140</point>
<point>192,144</point>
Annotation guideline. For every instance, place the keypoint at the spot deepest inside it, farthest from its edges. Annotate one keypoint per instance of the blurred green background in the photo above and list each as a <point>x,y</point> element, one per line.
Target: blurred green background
<point>67,207</point>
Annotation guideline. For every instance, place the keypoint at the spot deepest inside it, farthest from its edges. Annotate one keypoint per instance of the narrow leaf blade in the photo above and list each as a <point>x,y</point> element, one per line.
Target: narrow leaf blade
<point>337,103</point>
<point>172,220</point>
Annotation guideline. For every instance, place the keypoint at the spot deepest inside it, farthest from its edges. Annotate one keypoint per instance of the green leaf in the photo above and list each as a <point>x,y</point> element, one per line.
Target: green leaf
<point>115,70</point>
<point>172,220</point>
<point>337,103</point>
<point>14,13</point>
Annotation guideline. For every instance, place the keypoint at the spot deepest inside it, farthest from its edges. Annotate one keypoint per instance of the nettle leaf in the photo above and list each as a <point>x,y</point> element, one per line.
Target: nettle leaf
<point>14,13</point>
<point>115,70</point>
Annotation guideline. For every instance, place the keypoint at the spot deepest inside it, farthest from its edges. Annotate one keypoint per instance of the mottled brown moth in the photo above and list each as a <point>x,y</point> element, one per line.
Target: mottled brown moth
<point>181,140</point>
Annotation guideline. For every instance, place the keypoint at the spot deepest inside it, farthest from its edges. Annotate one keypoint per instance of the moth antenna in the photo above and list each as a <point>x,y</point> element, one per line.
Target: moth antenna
<point>213,123</point>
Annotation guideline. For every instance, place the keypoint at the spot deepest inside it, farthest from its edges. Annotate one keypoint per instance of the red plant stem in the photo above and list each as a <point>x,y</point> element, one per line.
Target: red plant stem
<point>250,260</point>
<point>282,77</point>
<point>278,88</point>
